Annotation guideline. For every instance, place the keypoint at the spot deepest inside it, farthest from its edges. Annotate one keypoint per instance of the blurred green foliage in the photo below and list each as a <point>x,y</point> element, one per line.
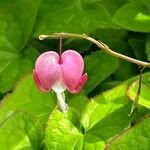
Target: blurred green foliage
<point>98,116</point>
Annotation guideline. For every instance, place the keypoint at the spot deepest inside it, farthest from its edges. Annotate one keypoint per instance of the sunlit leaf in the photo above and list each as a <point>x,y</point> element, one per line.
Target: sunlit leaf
<point>133,16</point>
<point>144,97</point>
<point>137,137</point>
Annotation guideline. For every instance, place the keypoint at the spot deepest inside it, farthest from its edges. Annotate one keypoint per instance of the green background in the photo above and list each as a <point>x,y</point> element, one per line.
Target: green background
<point>98,117</point>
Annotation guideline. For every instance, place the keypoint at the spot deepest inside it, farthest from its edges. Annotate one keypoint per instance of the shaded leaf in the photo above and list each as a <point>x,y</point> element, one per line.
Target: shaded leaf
<point>71,16</point>
<point>148,47</point>
<point>16,25</point>
<point>98,68</point>
<point>114,5</point>
<point>15,68</point>
<point>138,46</point>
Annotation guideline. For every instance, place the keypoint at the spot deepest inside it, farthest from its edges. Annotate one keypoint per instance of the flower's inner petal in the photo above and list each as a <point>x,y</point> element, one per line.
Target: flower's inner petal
<point>59,86</point>
<point>72,68</point>
<point>48,69</point>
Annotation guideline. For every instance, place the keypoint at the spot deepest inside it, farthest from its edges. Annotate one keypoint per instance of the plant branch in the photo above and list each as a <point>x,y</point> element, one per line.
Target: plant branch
<point>100,44</point>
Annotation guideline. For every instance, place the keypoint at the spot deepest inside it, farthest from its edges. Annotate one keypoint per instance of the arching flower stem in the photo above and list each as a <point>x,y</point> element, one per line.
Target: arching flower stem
<point>100,44</point>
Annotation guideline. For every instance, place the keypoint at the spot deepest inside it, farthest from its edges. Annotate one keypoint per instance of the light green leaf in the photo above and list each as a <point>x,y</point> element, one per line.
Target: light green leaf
<point>107,114</point>
<point>20,130</point>
<point>27,97</point>
<point>135,138</point>
<point>144,98</point>
<point>133,16</point>
<point>61,134</point>
<point>71,16</point>
<point>93,143</point>
<point>99,69</point>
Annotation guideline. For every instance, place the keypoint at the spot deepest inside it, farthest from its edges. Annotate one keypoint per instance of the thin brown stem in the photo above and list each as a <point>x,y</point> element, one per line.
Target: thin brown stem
<point>136,99</point>
<point>100,44</point>
<point>60,43</point>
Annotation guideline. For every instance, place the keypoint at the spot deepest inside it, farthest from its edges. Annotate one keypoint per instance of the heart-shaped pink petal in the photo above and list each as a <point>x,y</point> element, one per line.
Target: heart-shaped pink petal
<point>47,70</point>
<point>72,68</point>
<point>60,72</point>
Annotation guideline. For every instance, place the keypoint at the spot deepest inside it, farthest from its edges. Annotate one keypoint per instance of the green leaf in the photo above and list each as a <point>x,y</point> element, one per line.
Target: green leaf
<point>113,5</point>
<point>99,69</point>
<point>20,130</point>
<point>110,36</point>
<point>144,98</point>
<point>78,102</point>
<point>16,25</point>
<point>148,47</point>
<point>107,114</point>
<point>77,44</point>
<point>71,16</point>
<point>138,47</point>
<point>27,97</point>
<point>133,16</point>
<point>61,134</point>
<point>136,137</point>
<point>93,143</point>
<point>129,70</point>
<point>14,67</point>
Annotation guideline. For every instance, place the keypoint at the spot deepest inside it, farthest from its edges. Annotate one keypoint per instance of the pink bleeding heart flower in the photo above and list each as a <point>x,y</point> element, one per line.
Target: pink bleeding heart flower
<point>60,72</point>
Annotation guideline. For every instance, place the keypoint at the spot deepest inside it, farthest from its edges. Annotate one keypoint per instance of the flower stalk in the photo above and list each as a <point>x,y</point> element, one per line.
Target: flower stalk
<point>61,102</point>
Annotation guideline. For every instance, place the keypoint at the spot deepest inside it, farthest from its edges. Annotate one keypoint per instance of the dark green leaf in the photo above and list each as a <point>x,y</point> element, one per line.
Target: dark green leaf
<point>113,5</point>
<point>16,24</point>
<point>138,46</point>
<point>148,47</point>
<point>71,16</point>
<point>14,66</point>
<point>98,68</point>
